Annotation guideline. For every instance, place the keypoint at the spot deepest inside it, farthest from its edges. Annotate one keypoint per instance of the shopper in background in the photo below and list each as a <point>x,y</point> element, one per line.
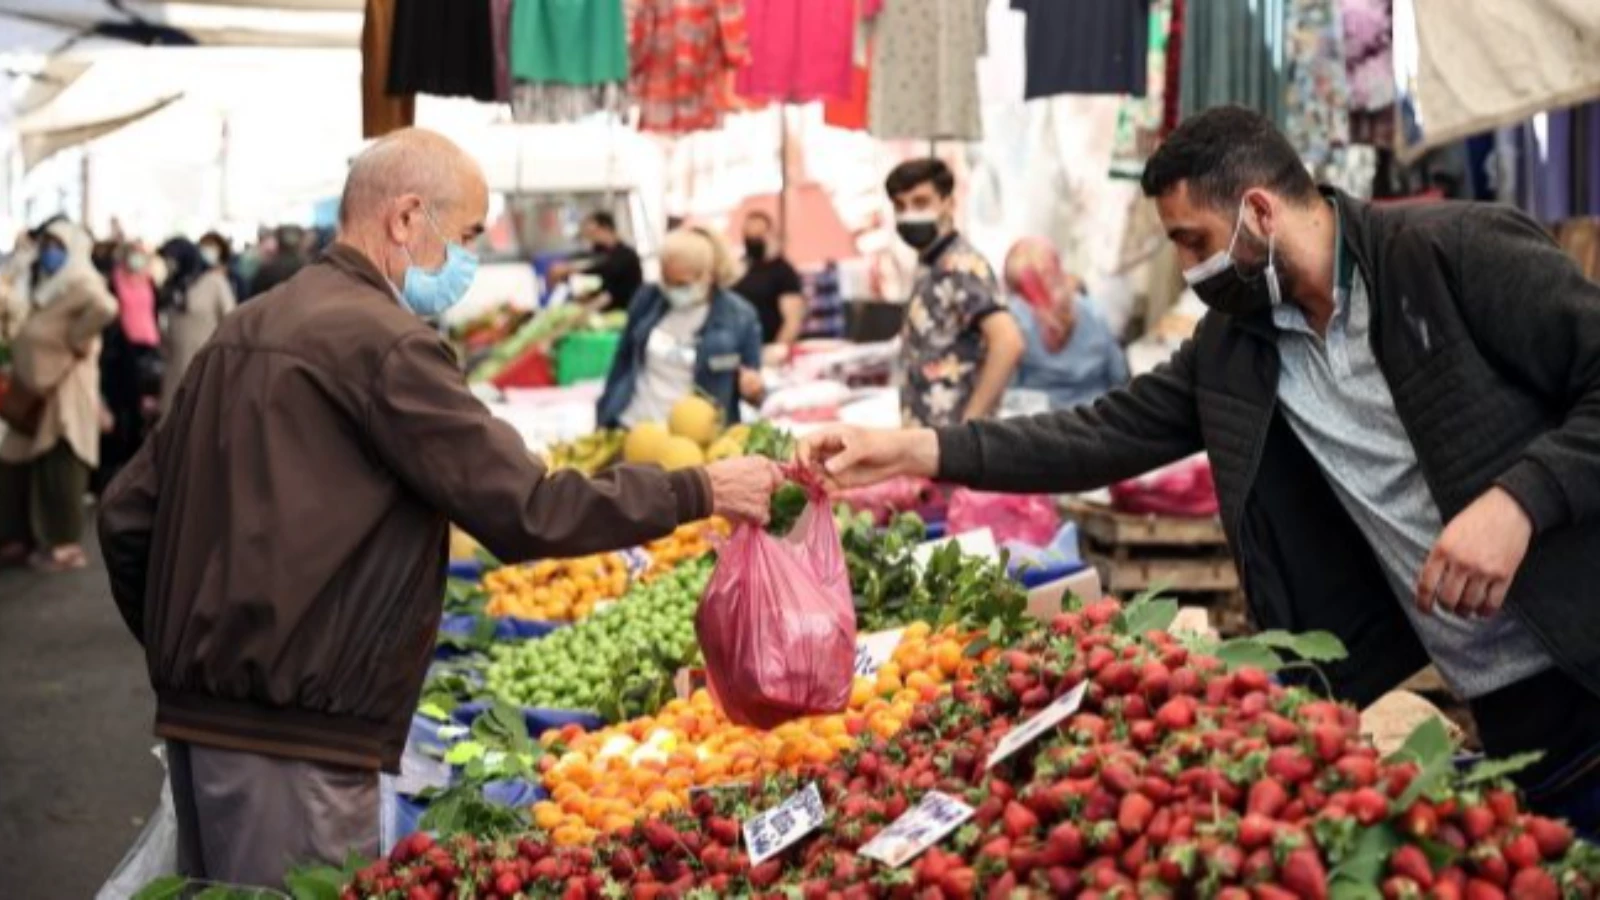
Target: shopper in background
<point>825,313</point>
<point>959,345</point>
<point>609,259</point>
<point>1069,353</point>
<point>130,357</point>
<point>196,297</point>
<point>1402,409</point>
<point>770,283</point>
<point>283,263</point>
<point>687,333</point>
<point>45,464</point>
<point>218,254</point>
<point>279,544</point>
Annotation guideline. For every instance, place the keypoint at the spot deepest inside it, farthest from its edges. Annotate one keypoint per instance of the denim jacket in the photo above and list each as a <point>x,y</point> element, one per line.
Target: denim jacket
<point>730,339</point>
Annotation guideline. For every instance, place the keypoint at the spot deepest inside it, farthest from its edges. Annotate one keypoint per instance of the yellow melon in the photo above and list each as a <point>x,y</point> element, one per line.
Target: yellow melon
<point>645,443</point>
<point>681,453</point>
<point>696,418</point>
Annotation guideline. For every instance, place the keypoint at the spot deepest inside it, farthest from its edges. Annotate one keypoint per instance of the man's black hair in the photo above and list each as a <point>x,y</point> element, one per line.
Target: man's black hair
<point>603,219</point>
<point>1223,152</point>
<point>913,172</point>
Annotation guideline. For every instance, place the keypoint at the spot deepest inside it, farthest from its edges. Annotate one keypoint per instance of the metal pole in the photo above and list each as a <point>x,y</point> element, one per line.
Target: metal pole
<point>783,168</point>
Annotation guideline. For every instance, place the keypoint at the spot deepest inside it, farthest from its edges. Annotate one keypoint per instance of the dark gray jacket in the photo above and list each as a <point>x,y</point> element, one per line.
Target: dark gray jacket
<point>1489,337</point>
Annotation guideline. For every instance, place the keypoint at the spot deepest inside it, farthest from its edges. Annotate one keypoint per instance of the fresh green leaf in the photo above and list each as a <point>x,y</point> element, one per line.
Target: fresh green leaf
<point>1365,865</point>
<point>1241,652</point>
<point>1430,747</point>
<point>170,887</point>
<point>1142,615</point>
<point>1313,646</point>
<point>1495,769</point>
<point>463,753</point>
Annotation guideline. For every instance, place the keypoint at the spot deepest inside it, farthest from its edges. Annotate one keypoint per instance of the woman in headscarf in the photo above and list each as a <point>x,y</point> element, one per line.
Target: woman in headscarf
<point>196,296</point>
<point>45,462</point>
<point>1069,353</point>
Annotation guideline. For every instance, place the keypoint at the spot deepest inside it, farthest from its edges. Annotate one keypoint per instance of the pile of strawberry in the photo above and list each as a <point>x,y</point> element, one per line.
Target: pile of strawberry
<point>1176,778</point>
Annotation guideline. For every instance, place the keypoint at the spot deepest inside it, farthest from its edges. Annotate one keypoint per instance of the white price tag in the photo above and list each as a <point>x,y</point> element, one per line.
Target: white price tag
<point>768,833</point>
<point>1046,719</point>
<point>637,560</point>
<point>873,650</point>
<point>919,828</point>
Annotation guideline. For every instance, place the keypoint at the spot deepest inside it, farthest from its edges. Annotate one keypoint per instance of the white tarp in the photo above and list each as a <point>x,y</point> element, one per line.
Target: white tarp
<point>267,23</point>
<point>1466,66</point>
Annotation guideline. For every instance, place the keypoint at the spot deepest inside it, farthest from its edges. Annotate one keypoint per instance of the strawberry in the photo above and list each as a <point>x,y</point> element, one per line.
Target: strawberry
<point>1118,678</point>
<point>1144,734</point>
<point>1259,866</point>
<point>1134,813</point>
<point>1290,765</point>
<point>959,883</point>
<point>508,885</point>
<point>1063,882</point>
<point>766,875</point>
<point>1154,680</point>
<point>1478,889</point>
<point>1408,861</point>
<point>1226,861</point>
<point>1521,852</point>
<point>659,836</point>
<point>1534,884</point>
<point>1303,873</point>
<point>1491,865</point>
<point>1504,805</point>
<point>1250,679</point>
<point>1003,886</point>
<point>1553,837</point>
<point>1477,822</point>
<point>1018,820</point>
<point>1184,681</point>
<point>1118,778</point>
<point>723,830</point>
<point>1329,741</point>
<point>1064,844</point>
<point>1255,830</point>
<point>1233,892</point>
<point>1369,806</point>
<point>1419,820</point>
<point>1137,854</point>
<point>1267,797</point>
<point>1357,771</point>
<point>998,849</point>
<point>1102,611</point>
<point>1398,888</point>
<point>1271,892</point>
<point>1177,714</point>
<point>1446,890</point>
<point>1279,729</point>
<point>1451,836</point>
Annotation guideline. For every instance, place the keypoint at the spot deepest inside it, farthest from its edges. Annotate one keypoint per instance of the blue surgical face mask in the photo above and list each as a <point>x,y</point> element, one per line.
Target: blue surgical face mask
<point>51,259</point>
<point>429,294</point>
<point>683,296</point>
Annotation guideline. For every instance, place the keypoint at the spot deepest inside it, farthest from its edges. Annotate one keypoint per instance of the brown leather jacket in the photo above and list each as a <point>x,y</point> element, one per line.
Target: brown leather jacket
<point>279,545</point>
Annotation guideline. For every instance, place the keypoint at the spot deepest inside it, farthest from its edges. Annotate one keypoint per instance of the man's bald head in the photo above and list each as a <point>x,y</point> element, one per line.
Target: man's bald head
<point>407,195</point>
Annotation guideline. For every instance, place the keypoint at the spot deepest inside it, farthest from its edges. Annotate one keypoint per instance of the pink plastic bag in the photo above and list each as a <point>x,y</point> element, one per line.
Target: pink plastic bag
<point>1183,490</point>
<point>777,623</point>
<point>896,495</point>
<point>1031,519</point>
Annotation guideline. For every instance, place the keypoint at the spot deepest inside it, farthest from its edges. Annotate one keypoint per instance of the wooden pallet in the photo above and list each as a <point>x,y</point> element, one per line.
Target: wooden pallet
<point>1137,552</point>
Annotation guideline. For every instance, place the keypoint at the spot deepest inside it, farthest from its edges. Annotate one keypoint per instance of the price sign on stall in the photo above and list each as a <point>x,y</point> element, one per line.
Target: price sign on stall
<point>919,828</point>
<point>770,832</point>
<point>873,650</point>
<point>1046,719</point>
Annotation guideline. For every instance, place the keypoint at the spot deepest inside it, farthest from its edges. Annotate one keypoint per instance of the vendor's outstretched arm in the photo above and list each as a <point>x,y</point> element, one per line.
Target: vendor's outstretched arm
<point>1149,423</point>
<point>441,441</point>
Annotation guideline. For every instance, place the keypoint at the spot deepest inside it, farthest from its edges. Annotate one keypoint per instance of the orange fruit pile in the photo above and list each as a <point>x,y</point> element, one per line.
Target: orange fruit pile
<point>690,541</point>
<point>606,780</point>
<point>557,590</point>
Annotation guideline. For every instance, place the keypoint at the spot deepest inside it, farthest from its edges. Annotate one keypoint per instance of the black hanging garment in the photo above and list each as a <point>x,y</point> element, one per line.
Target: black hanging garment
<point>444,48</point>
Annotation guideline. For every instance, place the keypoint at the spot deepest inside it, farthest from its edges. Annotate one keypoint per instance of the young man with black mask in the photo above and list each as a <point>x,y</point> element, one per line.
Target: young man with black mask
<point>615,263</point>
<point>770,283</point>
<point>1402,410</point>
<point>959,345</point>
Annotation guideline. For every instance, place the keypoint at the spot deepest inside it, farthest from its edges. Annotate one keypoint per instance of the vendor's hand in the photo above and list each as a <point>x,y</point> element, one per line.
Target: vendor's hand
<point>1477,555</point>
<point>848,456</point>
<point>751,387</point>
<point>742,488</point>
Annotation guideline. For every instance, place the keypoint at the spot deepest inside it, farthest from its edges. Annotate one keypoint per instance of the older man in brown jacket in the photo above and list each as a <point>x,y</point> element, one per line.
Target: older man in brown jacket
<point>279,545</point>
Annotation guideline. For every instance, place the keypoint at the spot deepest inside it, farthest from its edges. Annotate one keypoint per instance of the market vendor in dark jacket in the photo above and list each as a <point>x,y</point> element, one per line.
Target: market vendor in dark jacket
<point>279,545</point>
<point>1402,409</point>
<point>685,334</point>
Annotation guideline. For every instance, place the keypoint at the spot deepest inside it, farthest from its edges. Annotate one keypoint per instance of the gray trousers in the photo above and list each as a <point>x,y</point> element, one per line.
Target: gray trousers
<point>246,820</point>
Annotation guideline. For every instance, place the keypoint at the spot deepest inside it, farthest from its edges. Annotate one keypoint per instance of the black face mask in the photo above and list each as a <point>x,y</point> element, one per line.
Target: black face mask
<point>1220,285</point>
<point>755,248</point>
<point>919,233</point>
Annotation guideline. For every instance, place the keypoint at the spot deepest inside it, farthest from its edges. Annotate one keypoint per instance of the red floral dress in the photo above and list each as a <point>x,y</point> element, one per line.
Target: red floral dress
<point>685,53</point>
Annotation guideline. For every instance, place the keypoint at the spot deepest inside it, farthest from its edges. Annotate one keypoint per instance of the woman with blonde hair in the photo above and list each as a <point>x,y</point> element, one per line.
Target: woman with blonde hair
<point>1069,353</point>
<point>685,334</point>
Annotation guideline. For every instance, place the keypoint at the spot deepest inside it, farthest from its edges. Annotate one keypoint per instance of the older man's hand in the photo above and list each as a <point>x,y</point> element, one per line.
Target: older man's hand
<point>1477,556</point>
<point>742,488</point>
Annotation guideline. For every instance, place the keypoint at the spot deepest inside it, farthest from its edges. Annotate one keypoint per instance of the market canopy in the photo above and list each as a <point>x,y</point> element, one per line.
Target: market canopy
<point>253,23</point>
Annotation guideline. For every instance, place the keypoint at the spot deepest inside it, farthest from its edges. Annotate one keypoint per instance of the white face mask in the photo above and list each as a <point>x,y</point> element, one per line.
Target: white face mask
<point>1219,284</point>
<point>684,296</point>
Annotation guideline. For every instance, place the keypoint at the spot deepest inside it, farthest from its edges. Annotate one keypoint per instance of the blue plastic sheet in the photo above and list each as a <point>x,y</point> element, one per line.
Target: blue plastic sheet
<point>538,720</point>
<point>465,569</point>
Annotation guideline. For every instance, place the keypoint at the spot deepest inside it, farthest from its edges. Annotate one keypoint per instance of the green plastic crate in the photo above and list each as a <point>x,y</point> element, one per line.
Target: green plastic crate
<point>585,355</point>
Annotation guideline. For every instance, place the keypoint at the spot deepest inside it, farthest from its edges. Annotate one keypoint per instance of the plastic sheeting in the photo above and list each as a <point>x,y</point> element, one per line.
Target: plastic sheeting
<point>1468,66</point>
